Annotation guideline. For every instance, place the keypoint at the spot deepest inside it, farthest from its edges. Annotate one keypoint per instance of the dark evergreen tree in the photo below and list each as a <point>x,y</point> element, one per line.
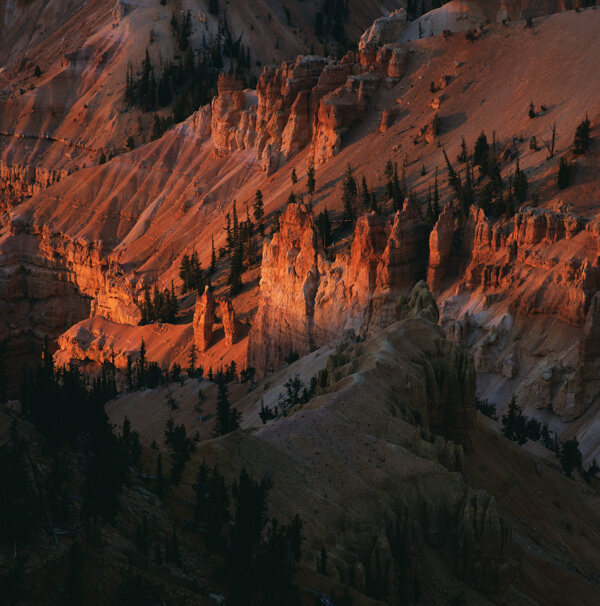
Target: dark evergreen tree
<point>514,424</point>
<point>520,184</point>
<point>213,256</point>
<point>259,207</point>
<point>365,195</point>
<point>570,456</point>
<point>180,448</point>
<point>310,179</point>
<point>228,418</point>
<point>564,174</point>
<point>349,195</point>
<point>581,142</point>
<point>235,269</point>
<point>324,228</point>
<point>481,152</point>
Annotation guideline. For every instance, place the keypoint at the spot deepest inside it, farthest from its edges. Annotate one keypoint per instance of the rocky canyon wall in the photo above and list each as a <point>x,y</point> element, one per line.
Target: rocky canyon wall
<point>518,267</point>
<point>311,101</point>
<point>307,300</point>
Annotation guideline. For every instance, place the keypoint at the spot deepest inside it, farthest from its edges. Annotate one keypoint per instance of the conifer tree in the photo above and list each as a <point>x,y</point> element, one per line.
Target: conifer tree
<point>141,366</point>
<point>581,142</point>
<point>398,191</point>
<point>310,179</point>
<point>227,417</point>
<point>213,255</point>
<point>481,153</point>
<point>235,268</point>
<point>349,194</point>
<point>365,195</point>
<point>259,208</point>
<point>564,174</point>
<point>514,424</point>
<point>228,234</point>
<point>454,179</point>
<point>570,456</point>
<point>520,184</point>
<point>324,228</point>
<point>429,216</point>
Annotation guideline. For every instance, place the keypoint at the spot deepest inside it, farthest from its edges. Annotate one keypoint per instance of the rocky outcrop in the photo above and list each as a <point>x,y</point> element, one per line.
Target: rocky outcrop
<point>420,389</point>
<point>60,281</point>
<point>385,30</point>
<point>20,182</point>
<point>307,300</point>
<point>440,248</point>
<point>204,319</point>
<point>581,388</point>
<point>230,323</point>
<point>484,544</point>
<point>289,282</point>
<point>521,260</point>
<point>311,101</point>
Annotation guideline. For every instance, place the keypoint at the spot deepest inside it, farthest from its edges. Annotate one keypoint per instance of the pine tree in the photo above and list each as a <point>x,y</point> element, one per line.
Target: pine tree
<point>462,157</point>
<point>564,174</point>
<point>235,269</point>
<point>213,256</point>
<point>227,417</point>
<point>192,361</point>
<point>429,216</point>
<point>259,208</point>
<point>324,228</point>
<point>454,179</point>
<point>228,234</point>
<point>310,179</point>
<point>141,366</point>
<point>294,177</point>
<point>581,142</point>
<point>520,184</point>
<point>570,456</point>
<point>481,153</point>
<point>235,227</point>
<point>514,424</point>
<point>365,195</point>
<point>349,194</point>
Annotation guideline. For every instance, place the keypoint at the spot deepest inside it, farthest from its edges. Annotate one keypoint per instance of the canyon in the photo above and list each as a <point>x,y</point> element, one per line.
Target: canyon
<point>90,229</point>
<point>400,319</point>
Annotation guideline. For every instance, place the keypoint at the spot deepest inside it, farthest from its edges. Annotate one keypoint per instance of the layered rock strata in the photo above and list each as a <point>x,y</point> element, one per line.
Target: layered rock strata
<point>311,101</point>
<point>204,319</point>
<point>230,323</point>
<point>523,260</point>
<point>307,300</point>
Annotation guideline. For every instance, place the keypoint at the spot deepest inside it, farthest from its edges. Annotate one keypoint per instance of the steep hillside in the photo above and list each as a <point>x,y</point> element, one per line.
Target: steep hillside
<point>256,258</point>
<point>364,465</point>
<point>111,229</point>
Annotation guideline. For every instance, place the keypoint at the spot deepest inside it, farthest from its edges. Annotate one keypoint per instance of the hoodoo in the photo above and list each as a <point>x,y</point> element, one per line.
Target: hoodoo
<point>299,302</point>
